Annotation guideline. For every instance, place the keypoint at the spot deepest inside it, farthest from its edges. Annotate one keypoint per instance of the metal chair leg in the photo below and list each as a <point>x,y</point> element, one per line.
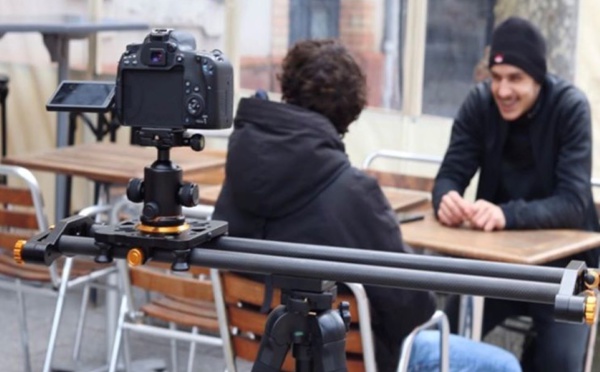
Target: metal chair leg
<point>215,279</point>
<point>192,351</point>
<point>60,301</point>
<point>81,321</point>
<point>364,324</point>
<point>23,325</point>
<point>118,334</point>
<point>173,326</point>
<point>126,350</point>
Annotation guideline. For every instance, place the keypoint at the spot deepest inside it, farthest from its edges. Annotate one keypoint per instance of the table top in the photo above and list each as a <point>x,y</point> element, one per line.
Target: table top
<point>209,194</point>
<point>400,199</point>
<point>405,199</point>
<point>114,163</point>
<point>65,24</point>
<point>515,246</point>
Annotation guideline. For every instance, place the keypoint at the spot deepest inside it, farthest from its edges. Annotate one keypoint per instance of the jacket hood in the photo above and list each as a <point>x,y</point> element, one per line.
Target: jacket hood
<point>280,157</point>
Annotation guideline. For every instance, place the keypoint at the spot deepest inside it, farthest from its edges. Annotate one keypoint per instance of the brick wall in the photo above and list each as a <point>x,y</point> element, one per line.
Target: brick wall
<point>261,71</point>
<point>357,32</point>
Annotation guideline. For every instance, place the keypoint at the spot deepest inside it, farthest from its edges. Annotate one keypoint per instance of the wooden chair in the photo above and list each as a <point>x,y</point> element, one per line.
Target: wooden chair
<point>395,179</point>
<point>405,192</point>
<point>22,216</point>
<point>179,299</point>
<point>238,300</point>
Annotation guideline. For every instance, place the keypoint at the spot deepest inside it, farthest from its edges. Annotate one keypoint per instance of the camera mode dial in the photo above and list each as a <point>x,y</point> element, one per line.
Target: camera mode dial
<point>195,105</point>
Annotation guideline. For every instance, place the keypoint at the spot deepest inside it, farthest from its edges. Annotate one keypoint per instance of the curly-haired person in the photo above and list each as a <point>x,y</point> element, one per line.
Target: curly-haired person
<point>289,179</point>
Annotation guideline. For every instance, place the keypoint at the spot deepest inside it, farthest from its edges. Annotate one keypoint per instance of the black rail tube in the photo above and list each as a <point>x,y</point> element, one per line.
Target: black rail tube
<point>502,288</point>
<point>379,258</point>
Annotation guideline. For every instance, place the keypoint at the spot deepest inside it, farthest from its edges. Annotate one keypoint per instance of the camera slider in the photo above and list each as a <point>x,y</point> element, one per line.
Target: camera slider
<point>306,323</point>
<point>119,241</point>
<point>145,245</point>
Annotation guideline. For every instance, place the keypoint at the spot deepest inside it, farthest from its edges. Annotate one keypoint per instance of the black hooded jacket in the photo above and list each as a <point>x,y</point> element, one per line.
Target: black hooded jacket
<point>288,178</point>
<point>560,139</point>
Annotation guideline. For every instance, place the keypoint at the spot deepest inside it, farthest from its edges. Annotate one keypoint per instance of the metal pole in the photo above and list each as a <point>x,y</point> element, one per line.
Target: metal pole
<point>501,288</point>
<point>407,261</point>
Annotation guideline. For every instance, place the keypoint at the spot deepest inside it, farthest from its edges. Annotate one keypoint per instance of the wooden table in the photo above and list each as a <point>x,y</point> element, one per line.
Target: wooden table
<point>114,163</point>
<point>533,247</point>
<point>400,199</point>
<point>404,199</point>
<point>209,194</point>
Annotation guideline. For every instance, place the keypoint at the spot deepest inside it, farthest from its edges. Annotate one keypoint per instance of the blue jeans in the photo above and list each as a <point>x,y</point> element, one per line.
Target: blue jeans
<point>465,355</point>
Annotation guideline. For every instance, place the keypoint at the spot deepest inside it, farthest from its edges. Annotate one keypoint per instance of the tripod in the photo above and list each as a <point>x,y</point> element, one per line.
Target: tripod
<point>306,323</point>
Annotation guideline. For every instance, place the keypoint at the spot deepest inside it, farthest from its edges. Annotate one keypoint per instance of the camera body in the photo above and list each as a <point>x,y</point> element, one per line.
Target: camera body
<point>165,83</point>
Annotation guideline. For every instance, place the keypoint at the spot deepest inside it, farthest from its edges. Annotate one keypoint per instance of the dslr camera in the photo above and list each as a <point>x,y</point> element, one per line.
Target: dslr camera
<point>162,83</point>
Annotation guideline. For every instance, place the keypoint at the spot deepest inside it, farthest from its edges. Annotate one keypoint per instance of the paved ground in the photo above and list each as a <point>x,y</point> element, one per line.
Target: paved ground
<point>93,353</point>
<point>156,351</point>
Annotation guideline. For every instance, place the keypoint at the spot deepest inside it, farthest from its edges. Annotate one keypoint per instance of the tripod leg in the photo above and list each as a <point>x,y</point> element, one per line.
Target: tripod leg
<point>318,342</point>
<point>329,347</point>
<point>276,340</point>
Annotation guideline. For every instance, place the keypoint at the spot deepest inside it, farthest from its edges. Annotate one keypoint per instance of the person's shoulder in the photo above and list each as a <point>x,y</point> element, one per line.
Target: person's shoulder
<point>561,91</point>
<point>358,180</point>
<point>477,104</point>
<point>362,192</point>
<point>478,97</point>
<point>480,92</point>
<point>361,187</point>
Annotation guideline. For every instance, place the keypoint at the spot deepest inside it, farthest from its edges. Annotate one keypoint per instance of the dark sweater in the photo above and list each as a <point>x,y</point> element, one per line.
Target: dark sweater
<point>556,191</point>
<point>288,178</point>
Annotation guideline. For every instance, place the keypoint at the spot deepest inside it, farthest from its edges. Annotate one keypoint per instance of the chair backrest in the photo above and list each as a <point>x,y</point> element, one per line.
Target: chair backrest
<point>21,216</point>
<point>402,181</point>
<point>395,179</point>
<point>21,208</point>
<point>186,299</point>
<point>243,299</point>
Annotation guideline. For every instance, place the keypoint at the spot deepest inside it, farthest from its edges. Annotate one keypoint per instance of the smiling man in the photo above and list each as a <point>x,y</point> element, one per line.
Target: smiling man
<point>528,133</point>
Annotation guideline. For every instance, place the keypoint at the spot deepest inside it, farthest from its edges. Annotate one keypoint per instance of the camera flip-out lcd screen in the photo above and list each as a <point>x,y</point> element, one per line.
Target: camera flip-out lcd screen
<point>84,96</point>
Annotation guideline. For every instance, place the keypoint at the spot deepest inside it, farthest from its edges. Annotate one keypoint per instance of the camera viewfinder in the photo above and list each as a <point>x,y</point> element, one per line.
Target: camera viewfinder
<point>157,57</point>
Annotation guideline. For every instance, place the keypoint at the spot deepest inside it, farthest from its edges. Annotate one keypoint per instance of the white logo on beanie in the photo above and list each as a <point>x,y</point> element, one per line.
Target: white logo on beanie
<point>498,58</point>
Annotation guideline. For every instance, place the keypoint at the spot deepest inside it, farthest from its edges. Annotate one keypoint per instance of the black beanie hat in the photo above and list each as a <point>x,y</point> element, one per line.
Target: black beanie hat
<point>519,43</point>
